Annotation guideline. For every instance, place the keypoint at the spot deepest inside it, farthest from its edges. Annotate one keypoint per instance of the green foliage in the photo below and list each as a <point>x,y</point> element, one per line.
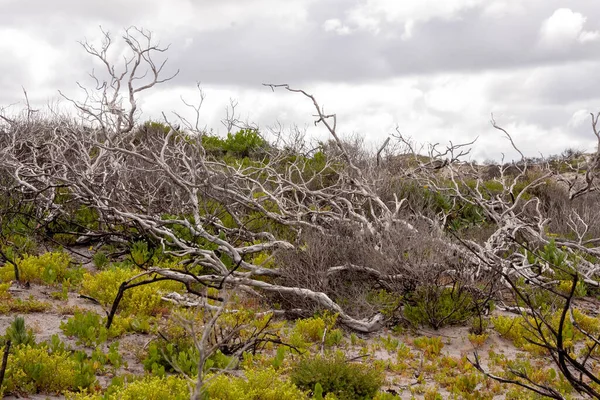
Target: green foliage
<point>258,385</point>
<point>16,226</point>
<point>510,328</point>
<point>141,300</point>
<point>438,306</point>
<point>147,388</point>
<point>537,371</point>
<point>86,217</point>
<point>565,286</point>
<point>16,245</point>
<point>18,334</point>
<point>318,392</point>
<point>140,254</point>
<point>243,143</point>
<point>479,324</point>
<point>100,259</point>
<point>182,357</point>
<point>386,396</point>
<point>519,330</point>
<point>390,343</point>
<point>345,380</point>
<point>279,357</point>
<point>49,268</point>
<point>386,302</point>
<point>87,327</point>
<point>477,340</point>
<point>461,214</point>
<point>171,357</point>
<point>112,358</point>
<point>431,346</point>
<point>62,294</point>
<point>311,330</point>
<point>37,370</point>
<point>8,304</point>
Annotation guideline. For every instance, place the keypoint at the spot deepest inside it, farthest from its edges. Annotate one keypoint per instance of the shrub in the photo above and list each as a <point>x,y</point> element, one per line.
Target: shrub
<point>100,259</point>
<point>311,330</point>
<point>335,375</point>
<point>439,306</point>
<point>258,385</point>
<point>8,304</point>
<point>478,340</point>
<point>87,327</point>
<point>244,143</point>
<point>145,299</point>
<point>431,346</point>
<point>36,370</point>
<point>18,334</point>
<point>169,357</point>
<point>49,268</point>
<point>510,328</point>
<point>148,388</point>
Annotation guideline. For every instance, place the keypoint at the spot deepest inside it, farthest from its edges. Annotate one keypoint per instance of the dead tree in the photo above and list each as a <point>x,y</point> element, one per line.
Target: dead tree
<point>528,257</point>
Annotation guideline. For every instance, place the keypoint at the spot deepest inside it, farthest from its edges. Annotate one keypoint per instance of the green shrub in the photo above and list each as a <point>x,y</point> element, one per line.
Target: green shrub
<point>345,380</point>
<point>311,330</point>
<point>8,304</point>
<point>145,299</point>
<point>387,303</point>
<point>431,346</point>
<point>258,385</point>
<point>49,268</point>
<point>165,357</point>
<point>36,370</point>
<point>18,334</point>
<point>181,356</point>
<point>243,143</point>
<point>100,260</point>
<point>437,306</point>
<point>148,388</point>
<point>19,244</point>
<point>100,360</point>
<point>87,327</point>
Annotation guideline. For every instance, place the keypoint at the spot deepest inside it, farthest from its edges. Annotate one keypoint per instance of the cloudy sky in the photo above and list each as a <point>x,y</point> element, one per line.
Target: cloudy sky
<point>436,69</point>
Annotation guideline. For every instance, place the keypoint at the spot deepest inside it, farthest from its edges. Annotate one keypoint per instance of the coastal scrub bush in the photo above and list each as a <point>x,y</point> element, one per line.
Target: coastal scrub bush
<point>347,381</point>
<point>147,388</point>
<point>49,268</point>
<point>145,299</point>
<point>438,306</point>
<point>264,385</point>
<point>37,370</point>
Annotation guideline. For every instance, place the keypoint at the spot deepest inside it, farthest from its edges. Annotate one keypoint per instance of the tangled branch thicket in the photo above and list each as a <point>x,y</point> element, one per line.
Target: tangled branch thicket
<point>418,235</point>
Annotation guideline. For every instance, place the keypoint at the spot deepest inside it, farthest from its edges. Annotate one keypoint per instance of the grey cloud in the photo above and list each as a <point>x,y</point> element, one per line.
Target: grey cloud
<point>470,43</point>
<point>536,85</point>
<point>260,50</point>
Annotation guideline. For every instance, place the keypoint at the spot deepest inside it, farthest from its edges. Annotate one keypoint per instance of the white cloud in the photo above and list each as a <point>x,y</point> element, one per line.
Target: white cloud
<point>437,69</point>
<point>564,27</point>
<point>409,28</point>
<point>188,41</point>
<point>335,25</point>
<point>503,8</point>
<point>589,36</point>
<point>579,118</point>
<point>371,15</point>
<point>31,53</point>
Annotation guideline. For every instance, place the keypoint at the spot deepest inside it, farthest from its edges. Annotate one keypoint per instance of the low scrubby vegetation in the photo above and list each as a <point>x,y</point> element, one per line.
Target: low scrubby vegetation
<point>180,264</point>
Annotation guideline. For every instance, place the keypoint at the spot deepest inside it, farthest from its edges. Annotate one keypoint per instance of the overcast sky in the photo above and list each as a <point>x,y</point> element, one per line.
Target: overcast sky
<point>434,69</point>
